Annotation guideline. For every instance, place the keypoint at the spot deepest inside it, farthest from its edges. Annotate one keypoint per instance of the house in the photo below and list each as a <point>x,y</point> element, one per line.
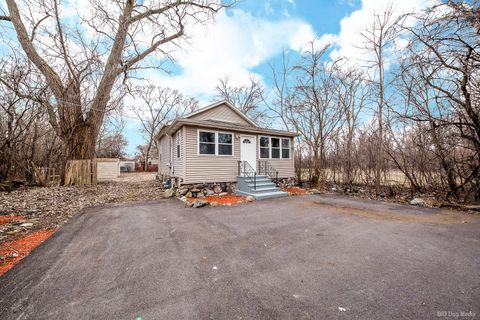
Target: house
<point>219,144</point>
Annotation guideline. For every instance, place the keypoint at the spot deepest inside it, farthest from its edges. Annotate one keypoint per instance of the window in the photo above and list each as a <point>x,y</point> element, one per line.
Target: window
<point>264,148</point>
<point>177,139</point>
<point>207,142</point>
<point>215,143</point>
<point>274,148</point>
<point>285,148</point>
<point>225,144</point>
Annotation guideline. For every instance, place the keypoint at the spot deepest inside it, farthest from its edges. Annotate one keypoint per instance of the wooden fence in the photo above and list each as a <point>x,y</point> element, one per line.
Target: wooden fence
<point>81,172</point>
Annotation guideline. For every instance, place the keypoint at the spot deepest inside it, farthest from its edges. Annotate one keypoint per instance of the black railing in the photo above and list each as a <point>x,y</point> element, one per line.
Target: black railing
<point>265,168</point>
<point>246,170</point>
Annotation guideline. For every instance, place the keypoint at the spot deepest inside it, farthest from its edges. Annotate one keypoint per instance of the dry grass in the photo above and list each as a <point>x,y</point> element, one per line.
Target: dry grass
<point>439,217</point>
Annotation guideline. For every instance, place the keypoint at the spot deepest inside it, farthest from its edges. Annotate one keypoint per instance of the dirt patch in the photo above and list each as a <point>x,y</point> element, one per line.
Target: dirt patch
<point>228,199</point>
<point>441,217</point>
<point>11,252</point>
<point>29,215</point>
<point>40,208</point>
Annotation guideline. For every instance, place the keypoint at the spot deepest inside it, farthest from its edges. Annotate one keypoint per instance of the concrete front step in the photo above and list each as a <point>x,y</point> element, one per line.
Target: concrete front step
<point>261,189</point>
<point>263,195</point>
<point>265,188</point>
<point>262,185</point>
<point>259,180</point>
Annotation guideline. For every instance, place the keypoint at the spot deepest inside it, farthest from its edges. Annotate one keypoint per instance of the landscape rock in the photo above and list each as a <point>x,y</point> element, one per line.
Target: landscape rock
<point>188,194</point>
<point>168,193</point>
<point>418,202</point>
<point>314,191</point>
<point>214,204</point>
<point>199,203</point>
<point>250,198</point>
<point>217,189</point>
<point>26,225</point>
<point>184,199</point>
<point>209,192</point>
<point>183,191</point>
<point>221,194</point>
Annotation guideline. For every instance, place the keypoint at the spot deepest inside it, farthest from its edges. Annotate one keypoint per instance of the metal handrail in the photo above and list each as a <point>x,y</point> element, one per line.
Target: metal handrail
<point>264,167</point>
<point>246,170</point>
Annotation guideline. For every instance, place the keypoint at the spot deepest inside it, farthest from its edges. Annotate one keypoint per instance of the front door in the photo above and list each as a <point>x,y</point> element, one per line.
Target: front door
<point>248,150</point>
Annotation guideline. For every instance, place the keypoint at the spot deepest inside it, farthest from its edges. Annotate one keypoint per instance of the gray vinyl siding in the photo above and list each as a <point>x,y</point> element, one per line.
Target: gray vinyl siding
<point>164,156</point>
<point>222,113</point>
<point>211,168</point>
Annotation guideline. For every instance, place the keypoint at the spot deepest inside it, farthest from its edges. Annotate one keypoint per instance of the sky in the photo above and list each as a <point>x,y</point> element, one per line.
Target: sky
<point>250,37</point>
<point>247,39</point>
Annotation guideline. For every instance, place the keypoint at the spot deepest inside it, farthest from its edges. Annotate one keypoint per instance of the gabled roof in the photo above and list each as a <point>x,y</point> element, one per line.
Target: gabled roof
<point>212,123</point>
<point>216,124</point>
<point>217,104</point>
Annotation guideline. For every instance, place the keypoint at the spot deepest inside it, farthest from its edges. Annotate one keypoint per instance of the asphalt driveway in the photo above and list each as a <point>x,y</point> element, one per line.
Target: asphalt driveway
<point>309,257</point>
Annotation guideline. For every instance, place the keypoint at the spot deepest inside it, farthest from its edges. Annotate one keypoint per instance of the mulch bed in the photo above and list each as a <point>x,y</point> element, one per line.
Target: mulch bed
<point>11,252</point>
<point>6,219</point>
<point>295,191</point>
<point>228,199</point>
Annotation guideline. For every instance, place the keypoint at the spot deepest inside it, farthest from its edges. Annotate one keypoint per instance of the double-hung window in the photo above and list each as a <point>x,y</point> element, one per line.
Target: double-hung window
<point>285,148</point>
<point>225,144</point>
<point>264,147</point>
<point>215,143</point>
<point>274,148</point>
<point>206,142</point>
<point>178,144</point>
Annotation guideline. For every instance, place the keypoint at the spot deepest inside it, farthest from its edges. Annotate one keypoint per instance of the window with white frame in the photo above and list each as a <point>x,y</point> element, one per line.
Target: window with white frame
<point>285,148</point>
<point>206,144</point>
<point>274,148</point>
<point>177,139</point>
<point>264,148</point>
<point>275,142</point>
<point>225,144</point>
<point>215,143</point>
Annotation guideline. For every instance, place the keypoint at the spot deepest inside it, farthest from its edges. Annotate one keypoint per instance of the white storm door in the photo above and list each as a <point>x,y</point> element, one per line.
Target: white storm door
<point>248,150</point>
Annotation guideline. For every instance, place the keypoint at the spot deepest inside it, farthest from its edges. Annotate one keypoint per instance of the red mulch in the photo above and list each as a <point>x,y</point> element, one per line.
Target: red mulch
<point>5,219</point>
<point>223,200</point>
<point>11,252</point>
<point>295,191</point>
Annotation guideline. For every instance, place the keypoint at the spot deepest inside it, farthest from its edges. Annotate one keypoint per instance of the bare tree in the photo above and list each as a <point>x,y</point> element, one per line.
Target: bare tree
<point>441,77</point>
<point>248,98</point>
<point>352,94</point>
<point>377,39</point>
<point>313,110</point>
<point>82,69</point>
<point>157,107</point>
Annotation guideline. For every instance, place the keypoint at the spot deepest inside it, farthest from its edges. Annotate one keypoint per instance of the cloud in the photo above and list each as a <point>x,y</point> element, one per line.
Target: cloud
<point>349,41</point>
<point>301,39</point>
<point>232,46</point>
